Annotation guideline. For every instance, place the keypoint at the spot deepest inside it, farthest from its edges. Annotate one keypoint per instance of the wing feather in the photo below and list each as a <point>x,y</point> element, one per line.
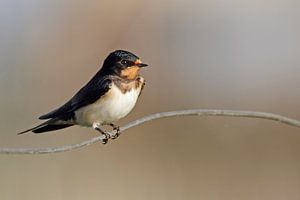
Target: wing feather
<point>90,93</point>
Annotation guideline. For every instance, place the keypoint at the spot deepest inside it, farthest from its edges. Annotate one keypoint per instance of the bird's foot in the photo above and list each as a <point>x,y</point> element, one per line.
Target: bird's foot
<point>106,137</point>
<point>105,134</point>
<point>117,129</point>
<point>115,135</point>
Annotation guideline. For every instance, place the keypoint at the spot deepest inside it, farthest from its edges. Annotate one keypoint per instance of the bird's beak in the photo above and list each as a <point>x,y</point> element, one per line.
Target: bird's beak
<point>140,64</point>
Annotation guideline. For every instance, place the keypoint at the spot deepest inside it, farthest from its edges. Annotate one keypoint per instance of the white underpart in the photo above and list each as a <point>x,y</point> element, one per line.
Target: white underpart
<point>109,108</point>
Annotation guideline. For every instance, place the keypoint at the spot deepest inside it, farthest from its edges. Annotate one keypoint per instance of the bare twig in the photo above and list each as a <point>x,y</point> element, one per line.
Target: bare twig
<point>193,112</point>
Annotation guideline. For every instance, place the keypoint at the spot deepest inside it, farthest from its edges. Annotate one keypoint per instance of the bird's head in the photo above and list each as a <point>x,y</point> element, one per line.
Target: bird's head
<point>123,64</point>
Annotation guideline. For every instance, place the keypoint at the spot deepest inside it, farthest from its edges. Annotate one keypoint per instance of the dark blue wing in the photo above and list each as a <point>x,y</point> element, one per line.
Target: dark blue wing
<point>90,93</point>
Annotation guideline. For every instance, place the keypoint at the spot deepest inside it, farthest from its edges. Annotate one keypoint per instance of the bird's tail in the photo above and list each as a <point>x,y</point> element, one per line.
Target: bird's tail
<point>50,125</point>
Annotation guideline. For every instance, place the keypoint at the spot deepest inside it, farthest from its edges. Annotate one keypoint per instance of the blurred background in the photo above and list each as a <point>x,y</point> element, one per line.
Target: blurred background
<point>235,54</point>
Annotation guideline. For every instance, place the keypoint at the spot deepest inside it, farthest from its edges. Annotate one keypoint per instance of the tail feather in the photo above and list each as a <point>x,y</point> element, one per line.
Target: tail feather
<point>50,125</point>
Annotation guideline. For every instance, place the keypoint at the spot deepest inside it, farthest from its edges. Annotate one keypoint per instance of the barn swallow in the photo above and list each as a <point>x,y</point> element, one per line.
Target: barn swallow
<point>109,96</point>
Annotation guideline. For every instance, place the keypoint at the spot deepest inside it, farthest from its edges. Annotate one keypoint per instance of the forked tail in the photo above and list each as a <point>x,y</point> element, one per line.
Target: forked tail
<point>50,125</point>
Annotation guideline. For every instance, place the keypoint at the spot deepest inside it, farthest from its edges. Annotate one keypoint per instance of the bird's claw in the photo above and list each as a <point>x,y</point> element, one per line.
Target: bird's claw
<point>104,133</point>
<point>106,137</point>
<point>115,135</point>
<point>117,129</point>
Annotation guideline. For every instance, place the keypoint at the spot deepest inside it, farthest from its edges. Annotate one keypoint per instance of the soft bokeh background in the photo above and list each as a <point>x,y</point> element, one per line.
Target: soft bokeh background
<point>234,54</point>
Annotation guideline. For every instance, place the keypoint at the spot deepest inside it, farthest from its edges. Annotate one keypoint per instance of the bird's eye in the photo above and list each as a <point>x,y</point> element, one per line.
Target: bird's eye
<point>125,62</point>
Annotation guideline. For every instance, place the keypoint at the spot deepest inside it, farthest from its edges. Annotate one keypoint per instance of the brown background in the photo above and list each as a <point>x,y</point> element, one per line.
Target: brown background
<point>202,54</point>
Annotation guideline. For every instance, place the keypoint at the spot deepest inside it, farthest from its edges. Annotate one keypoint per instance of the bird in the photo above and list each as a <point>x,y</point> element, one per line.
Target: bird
<point>110,95</point>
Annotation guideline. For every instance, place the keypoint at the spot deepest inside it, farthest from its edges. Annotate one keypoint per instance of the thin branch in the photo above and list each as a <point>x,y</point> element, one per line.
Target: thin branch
<point>193,112</point>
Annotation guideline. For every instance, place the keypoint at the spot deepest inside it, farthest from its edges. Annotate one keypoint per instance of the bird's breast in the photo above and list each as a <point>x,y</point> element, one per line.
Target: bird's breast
<point>112,106</point>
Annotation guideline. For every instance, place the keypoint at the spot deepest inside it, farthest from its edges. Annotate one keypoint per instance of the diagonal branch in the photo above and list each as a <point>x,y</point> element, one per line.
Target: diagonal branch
<point>193,112</point>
